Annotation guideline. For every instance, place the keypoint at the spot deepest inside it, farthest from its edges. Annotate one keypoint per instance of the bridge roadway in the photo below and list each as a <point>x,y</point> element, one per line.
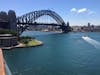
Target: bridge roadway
<point>50,24</point>
<point>2,69</point>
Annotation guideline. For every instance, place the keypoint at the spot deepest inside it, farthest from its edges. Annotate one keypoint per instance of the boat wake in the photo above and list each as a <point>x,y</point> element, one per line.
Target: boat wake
<point>91,41</point>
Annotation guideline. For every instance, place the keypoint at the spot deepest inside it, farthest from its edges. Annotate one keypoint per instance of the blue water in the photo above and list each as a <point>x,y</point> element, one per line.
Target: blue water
<point>61,54</point>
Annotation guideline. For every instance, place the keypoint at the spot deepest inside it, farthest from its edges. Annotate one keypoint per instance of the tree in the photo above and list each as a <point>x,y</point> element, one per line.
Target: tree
<point>12,20</point>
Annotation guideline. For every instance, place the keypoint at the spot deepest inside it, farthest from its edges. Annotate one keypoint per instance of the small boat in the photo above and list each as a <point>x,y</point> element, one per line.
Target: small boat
<point>84,36</point>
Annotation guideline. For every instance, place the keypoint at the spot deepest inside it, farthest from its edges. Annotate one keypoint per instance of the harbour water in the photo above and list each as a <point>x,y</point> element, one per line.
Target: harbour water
<point>61,54</point>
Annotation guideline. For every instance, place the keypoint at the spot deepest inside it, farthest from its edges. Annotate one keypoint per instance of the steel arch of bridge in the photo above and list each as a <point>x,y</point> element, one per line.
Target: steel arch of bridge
<point>29,19</point>
<point>32,16</point>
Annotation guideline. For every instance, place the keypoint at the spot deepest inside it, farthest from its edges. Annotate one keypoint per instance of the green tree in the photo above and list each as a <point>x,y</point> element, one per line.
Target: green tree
<point>6,31</point>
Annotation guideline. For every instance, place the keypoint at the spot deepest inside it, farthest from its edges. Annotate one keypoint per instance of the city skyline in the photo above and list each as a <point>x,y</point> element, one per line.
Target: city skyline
<point>77,12</point>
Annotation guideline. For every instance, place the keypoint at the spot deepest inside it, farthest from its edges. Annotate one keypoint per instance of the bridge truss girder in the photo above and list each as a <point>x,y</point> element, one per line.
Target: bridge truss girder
<point>32,16</point>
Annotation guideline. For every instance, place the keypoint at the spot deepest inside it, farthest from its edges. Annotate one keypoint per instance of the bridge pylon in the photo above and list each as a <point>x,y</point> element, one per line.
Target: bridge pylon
<point>65,28</point>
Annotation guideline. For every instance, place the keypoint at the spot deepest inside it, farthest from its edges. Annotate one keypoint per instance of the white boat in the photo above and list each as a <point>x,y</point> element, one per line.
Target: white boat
<point>84,36</point>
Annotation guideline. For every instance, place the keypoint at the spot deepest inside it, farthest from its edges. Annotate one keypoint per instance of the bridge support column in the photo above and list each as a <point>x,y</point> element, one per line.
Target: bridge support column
<point>65,29</point>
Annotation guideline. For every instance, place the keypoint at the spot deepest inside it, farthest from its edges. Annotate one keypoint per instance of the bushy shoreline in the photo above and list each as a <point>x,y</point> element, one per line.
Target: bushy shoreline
<point>21,45</point>
<point>32,42</point>
<point>25,42</point>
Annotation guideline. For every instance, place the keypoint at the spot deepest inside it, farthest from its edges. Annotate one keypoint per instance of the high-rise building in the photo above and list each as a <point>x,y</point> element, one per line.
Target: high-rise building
<point>12,20</point>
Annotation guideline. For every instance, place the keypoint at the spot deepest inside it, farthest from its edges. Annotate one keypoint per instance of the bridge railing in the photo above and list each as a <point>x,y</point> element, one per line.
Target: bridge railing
<point>2,68</point>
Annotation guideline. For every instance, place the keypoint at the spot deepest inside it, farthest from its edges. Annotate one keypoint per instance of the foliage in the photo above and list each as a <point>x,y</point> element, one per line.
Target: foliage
<point>25,39</point>
<point>32,43</point>
<point>7,31</point>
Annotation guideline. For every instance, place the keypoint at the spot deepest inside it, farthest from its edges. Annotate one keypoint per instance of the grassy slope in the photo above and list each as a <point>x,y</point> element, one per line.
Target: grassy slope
<point>33,43</point>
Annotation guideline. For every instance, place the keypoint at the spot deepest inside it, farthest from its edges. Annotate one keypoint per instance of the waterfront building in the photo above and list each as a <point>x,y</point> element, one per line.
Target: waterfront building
<point>7,40</point>
<point>4,24</point>
<point>96,28</point>
<point>8,21</point>
<point>12,20</point>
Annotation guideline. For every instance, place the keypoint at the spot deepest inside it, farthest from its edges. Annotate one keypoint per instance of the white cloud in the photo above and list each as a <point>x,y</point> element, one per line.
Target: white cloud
<point>73,10</point>
<point>82,10</point>
<point>79,10</point>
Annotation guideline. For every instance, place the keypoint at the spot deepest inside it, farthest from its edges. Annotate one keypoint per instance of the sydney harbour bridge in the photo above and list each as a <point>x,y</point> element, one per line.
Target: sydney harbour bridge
<point>29,19</point>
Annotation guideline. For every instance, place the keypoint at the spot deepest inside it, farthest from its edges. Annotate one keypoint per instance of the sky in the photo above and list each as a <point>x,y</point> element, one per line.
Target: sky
<point>77,12</point>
